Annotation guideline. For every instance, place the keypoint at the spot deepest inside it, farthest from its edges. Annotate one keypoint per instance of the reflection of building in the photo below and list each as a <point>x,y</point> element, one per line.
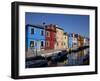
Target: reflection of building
<point>35,37</point>
<point>50,36</point>
<point>86,51</point>
<point>86,41</point>
<point>59,38</point>
<point>65,40</point>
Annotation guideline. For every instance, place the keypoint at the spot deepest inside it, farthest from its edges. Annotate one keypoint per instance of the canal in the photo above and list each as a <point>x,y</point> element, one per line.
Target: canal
<point>62,59</point>
<point>73,59</point>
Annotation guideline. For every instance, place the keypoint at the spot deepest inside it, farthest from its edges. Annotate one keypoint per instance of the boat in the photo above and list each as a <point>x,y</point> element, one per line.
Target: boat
<point>36,63</point>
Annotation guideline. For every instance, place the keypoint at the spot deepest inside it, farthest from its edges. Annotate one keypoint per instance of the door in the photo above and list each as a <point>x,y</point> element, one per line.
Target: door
<point>37,44</point>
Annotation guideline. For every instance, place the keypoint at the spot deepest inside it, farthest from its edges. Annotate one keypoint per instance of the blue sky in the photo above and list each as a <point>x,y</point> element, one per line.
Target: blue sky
<point>70,23</point>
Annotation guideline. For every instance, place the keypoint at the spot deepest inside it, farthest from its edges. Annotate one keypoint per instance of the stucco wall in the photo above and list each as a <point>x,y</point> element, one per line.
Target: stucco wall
<point>65,41</point>
<point>37,37</point>
<point>59,38</point>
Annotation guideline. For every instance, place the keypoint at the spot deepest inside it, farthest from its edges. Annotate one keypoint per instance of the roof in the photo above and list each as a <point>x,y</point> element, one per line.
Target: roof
<point>41,26</point>
<point>60,28</point>
<point>35,26</point>
<point>65,33</point>
<point>55,26</point>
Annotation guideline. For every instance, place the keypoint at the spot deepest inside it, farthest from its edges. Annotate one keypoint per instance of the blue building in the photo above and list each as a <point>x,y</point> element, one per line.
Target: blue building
<point>70,40</point>
<point>35,37</point>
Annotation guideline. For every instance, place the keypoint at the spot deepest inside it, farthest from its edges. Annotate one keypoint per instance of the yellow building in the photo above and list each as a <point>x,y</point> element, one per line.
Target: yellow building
<point>59,38</point>
<point>65,40</point>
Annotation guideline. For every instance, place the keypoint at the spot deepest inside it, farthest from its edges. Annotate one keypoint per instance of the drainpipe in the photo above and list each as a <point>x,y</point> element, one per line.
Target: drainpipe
<point>36,47</point>
<point>44,33</point>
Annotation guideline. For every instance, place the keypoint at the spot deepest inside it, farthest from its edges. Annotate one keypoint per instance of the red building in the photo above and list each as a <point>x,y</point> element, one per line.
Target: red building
<point>50,36</point>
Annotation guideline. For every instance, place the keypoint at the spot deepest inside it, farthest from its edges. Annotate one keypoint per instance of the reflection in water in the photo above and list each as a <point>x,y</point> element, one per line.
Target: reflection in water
<point>60,59</point>
<point>73,59</point>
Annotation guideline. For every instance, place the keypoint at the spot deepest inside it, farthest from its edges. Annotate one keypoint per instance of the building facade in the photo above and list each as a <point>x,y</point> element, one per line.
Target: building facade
<point>51,37</point>
<point>59,38</point>
<point>80,41</point>
<point>35,37</point>
<point>65,41</point>
<point>75,40</point>
<point>50,34</point>
<point>70,40</point>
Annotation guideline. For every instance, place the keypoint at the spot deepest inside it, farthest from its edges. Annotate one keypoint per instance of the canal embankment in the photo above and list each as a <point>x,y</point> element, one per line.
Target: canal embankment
<point>64,57</point>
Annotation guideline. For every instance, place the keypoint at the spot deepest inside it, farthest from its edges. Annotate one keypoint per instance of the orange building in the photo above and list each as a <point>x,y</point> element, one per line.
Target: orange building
<point>80,41</point>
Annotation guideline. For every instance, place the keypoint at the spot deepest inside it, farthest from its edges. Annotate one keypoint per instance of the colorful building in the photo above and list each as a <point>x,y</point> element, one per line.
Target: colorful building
<point>35,37</point>
<point>50,35</point>
<point>75,40</point>
<point>65,41</point>
<point>59,38</point>
<point>70,40</point>
<point>80,41</point>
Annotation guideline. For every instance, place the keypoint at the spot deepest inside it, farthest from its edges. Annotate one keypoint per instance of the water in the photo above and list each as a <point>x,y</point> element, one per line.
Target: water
<point>71,59</point>
<point>74,59</point>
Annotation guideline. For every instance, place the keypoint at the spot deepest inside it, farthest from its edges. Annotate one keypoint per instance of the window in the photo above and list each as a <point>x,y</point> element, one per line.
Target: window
<point>42,32</point>
<point>71,35</point>
<point>74,44</point>
<point>57,43</point>
<point>76,35</point>
<point>32,31</point>
<point>32,44</point>
<point>42,43</point>
<point>62,43</point>
<point>47,43</point>
<point>47,33</point>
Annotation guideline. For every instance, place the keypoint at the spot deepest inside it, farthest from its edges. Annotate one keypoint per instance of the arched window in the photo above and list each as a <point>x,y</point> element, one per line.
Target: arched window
<point>42,44</point>
<point>42,32</point>
<point>32,30</point>
<point>32,44</point>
